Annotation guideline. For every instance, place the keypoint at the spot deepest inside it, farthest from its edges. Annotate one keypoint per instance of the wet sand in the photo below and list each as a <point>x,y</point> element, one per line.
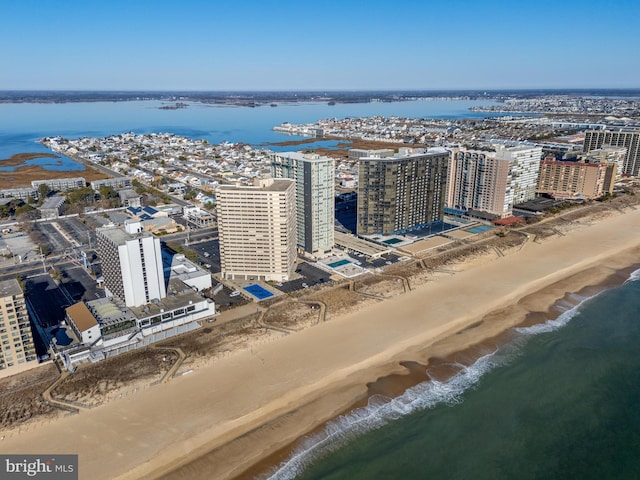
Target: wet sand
<point>444,368</point>
<point>222,419</point>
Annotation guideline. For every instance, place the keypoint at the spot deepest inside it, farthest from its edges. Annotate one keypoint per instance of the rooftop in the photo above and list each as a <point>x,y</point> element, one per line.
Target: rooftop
<point>179,266</point>
<point>119,236</point>
<point>53,202</point>
<point>178,295</point>
<point>10,287</point>
<point>273,185</point>
<point>81,316</point>
<point>401,156</point>
<point>110,310</point>
<point>309,157</point>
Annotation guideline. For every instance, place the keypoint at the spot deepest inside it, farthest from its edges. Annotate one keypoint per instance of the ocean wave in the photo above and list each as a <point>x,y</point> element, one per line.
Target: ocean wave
<point>381,410</point>
<point>556,323</point>
<point>634,276</point>
<point>565,317</point>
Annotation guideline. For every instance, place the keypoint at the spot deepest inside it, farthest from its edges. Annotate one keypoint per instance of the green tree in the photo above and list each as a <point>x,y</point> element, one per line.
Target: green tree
<point>107,192</point>
<point>109,197</point>
<point>5,211</point>
<point>190,195</point>
<point>43,192</point>
<point>26,212</point>
<point>45,249</point>
<point>82,196</point>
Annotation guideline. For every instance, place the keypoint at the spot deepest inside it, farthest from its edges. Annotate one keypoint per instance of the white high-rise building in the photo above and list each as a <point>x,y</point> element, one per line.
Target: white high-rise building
<point>131,264</point>
<point>524,162</point>
<point>257,229</point>
<point>315,191</point>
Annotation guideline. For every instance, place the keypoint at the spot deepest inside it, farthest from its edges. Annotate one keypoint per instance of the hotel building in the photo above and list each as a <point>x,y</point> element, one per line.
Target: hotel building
<point>400,192</point>
<point>131,263</point>
<point>630,139</point>
<point>615,155</point>
<point>15,329</point>
<point>562,179</point>
<point>524,162</point>
<point>315,191</point>
<point>487,184</point>
<point>257,229</point>
<point>61,184</point>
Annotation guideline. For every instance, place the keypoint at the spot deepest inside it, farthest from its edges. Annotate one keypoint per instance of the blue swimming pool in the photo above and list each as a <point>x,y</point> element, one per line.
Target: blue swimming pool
<point>339,263</point>
<point>258,292</point>
<point>479,229</point>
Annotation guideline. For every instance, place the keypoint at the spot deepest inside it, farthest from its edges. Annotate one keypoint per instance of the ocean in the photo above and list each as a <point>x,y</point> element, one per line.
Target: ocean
<point>23,124</point>
<point>558,400</point>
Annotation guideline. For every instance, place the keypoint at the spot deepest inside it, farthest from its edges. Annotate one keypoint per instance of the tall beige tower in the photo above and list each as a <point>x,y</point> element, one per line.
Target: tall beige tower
<point>257,228</point>
<point>15,329</point>
<point>478,184</point>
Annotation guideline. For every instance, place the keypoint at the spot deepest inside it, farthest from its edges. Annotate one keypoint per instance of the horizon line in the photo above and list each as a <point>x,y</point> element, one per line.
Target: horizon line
<point>335,90</point>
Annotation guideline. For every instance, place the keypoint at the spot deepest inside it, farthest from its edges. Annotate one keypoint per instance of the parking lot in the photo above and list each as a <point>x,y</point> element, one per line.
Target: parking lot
<point>56,241</point>
<point>381,262</point>
<point>208,255</point>
<point>309,275</point>
<point>77,230</point>
<point>225,299</point>
<point>80,285</point>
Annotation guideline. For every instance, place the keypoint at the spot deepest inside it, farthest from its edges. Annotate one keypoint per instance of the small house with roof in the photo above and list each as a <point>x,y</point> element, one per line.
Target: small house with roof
<point>83,323</point>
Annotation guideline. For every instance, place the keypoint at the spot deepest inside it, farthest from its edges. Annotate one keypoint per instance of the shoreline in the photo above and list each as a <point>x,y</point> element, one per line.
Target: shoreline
<point>327,366</point>
<point>433,363</point>
<point>18,159</point>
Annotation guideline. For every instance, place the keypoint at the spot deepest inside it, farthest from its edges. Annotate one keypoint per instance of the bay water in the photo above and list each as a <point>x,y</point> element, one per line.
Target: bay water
<point>23,124</point>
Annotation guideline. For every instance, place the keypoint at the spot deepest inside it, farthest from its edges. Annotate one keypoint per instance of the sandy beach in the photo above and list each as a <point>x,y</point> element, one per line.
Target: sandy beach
<point>219,420</point>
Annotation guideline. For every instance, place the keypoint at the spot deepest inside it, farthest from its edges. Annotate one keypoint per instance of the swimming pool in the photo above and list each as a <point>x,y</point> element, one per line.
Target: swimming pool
<point>259,292</point>
<point>339,263</point>
<point>479,229</point>
<point>393,241</point>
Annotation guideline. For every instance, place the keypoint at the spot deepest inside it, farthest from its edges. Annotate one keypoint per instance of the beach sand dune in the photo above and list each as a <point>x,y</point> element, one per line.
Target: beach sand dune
<point>312,375</point>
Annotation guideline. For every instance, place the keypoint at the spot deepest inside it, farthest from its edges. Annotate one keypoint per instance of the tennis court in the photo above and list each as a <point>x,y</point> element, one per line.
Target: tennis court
<point>258,292</point>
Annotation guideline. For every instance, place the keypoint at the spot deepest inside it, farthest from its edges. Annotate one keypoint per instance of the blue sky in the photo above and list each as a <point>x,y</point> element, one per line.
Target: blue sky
<point>321,45</point>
